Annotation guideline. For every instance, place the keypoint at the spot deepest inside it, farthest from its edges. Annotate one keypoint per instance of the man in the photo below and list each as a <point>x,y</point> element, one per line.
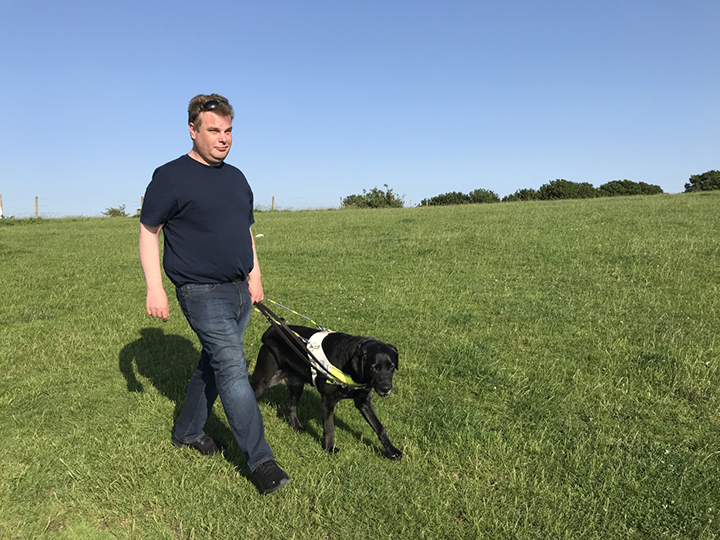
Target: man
<point>204,207</point>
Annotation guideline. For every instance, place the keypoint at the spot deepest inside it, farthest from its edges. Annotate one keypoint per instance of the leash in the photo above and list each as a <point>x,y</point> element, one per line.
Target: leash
<point>302,348</point>
<point>318,326</point>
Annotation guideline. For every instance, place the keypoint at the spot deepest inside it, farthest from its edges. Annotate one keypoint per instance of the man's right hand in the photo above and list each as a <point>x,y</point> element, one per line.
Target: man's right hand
<point>156,304</point>
<point>156,301</point>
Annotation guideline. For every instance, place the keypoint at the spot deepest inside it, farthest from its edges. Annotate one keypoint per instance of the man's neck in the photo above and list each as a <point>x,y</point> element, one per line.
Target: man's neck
<point>197,157</point>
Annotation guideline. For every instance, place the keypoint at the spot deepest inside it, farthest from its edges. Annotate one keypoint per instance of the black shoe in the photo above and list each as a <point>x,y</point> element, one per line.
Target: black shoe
<point>206,445</point>
<point>269,477</point>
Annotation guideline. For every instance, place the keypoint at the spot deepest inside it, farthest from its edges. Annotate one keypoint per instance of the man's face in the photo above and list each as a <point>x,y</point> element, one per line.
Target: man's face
<point>212,139</point>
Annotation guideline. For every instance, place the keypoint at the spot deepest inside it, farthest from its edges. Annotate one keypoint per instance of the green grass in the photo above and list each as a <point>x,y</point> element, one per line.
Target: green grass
<point>558,378</point>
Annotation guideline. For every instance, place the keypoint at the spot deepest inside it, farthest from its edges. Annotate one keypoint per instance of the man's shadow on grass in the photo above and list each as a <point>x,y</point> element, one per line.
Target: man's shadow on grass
<point>167,362</point>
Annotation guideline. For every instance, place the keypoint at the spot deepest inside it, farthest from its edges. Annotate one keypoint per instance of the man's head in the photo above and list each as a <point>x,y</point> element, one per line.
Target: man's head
<point>213,102</point>
<point>210,123</point>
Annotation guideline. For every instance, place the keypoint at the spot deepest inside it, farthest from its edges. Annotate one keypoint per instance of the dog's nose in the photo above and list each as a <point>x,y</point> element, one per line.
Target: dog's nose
<point>384,391</point>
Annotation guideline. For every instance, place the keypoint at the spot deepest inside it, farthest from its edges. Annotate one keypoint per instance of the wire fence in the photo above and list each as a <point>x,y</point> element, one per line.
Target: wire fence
<point>53,207</point>
<point>49,207</point>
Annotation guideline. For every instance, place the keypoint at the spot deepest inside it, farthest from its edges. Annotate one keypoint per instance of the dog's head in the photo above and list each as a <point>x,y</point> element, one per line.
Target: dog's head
<point>376,362</point>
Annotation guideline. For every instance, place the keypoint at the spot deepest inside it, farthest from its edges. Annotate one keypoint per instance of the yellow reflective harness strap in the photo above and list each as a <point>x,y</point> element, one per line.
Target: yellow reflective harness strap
<point>333,374</point>
<point>314,346</point>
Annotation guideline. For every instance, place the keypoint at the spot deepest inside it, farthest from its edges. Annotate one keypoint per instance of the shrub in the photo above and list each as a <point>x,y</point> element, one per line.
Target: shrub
<point>445,199</point>
<point>618,188</point>
<point>707,181</point>
<point>523,195</point>
<point>483,196</point>
<point>355,201</point>
<point>564,189</point>
<point>115,212</point>
<point>375,198</point>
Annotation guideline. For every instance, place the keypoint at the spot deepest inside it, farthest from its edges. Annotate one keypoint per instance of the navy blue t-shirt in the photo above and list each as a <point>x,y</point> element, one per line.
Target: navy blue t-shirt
<point>206,213</point>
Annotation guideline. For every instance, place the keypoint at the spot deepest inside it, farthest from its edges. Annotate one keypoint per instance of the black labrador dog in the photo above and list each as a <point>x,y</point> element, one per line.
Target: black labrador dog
<point>368,361</point>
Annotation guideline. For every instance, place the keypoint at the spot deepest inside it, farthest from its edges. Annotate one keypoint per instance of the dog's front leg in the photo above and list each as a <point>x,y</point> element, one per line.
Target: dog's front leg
<point>366,408</point>
<point>328,414</point>
<point>294,393</point>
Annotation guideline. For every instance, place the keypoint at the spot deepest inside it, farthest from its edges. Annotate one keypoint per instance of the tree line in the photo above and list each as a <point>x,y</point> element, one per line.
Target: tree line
<point>557,189</point>
<point>554,190</point>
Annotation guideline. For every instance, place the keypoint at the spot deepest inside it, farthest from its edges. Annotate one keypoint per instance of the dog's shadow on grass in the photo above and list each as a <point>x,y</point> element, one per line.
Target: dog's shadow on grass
<point>310,414</point>
<point>167,362</point>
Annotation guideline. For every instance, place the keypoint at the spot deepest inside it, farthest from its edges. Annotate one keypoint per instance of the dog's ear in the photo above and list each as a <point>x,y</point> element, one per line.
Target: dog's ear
<point>358,359</point>
<point>396,356</point>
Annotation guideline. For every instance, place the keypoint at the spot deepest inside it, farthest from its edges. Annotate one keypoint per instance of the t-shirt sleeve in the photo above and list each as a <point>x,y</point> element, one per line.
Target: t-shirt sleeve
<point>160,201</point>
<point>252,204</point>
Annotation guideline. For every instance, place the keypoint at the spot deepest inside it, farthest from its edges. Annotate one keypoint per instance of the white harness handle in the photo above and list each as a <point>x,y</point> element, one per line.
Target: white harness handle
<point>314,344</point>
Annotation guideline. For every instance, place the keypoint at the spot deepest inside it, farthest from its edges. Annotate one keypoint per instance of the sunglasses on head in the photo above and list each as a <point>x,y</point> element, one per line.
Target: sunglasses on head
<point>212,104</point>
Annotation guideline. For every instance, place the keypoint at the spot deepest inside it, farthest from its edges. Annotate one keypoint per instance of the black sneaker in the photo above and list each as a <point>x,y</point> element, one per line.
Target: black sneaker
<point>268,477</point>
<point>206,445</point>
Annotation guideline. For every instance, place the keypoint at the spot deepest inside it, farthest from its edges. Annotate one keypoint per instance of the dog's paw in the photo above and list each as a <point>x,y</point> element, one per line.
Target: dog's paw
<point>333,449</point>
<point>394,453</point>
<point>135,386</point>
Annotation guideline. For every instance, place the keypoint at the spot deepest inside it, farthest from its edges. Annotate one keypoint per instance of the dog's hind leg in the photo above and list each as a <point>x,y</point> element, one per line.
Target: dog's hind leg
<point>267,372</point>
<point>294,393</point>
<point>367,410</point>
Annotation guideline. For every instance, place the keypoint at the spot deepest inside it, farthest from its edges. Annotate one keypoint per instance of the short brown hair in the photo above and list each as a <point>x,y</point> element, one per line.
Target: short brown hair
<point>197,105</point>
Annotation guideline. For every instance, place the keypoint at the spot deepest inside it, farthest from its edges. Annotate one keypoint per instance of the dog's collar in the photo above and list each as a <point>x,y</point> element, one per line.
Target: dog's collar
<point>314,346</point>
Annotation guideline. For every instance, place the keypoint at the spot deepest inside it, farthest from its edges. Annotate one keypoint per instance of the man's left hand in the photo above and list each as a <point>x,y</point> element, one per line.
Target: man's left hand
<point>256,289</point>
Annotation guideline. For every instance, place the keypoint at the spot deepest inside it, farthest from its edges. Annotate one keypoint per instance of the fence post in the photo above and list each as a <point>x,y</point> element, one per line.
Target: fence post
<point>1,214</point>
<point>272,206</point>
<point>36,206</point>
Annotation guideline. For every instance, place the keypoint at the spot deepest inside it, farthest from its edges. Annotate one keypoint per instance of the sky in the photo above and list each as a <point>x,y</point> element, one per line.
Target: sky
<point>333,97</point>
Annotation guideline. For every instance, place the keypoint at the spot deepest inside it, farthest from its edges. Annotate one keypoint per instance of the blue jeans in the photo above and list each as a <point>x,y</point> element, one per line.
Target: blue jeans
<point>219,314</point>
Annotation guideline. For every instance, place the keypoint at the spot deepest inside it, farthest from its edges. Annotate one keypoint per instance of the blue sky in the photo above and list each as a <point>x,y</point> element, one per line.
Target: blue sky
<point>333,97</point>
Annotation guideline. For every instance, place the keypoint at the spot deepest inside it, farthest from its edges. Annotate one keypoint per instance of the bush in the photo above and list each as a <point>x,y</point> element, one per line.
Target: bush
<point>523,195</point>
<point>115,212</point>
<point>650,189</point>
<point>564,189</point>
<point>446,199</point>
<point>375,198</point>
<point>707,181</point>
<point>483,196</point>
<point>619,188</point>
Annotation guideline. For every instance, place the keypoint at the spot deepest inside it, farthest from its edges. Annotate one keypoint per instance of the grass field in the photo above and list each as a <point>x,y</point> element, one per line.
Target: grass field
<point>558,378</point>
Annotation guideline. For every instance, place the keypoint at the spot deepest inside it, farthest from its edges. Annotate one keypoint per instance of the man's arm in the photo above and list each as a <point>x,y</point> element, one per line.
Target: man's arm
<point>254,277</point>
<point>156,301</point>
